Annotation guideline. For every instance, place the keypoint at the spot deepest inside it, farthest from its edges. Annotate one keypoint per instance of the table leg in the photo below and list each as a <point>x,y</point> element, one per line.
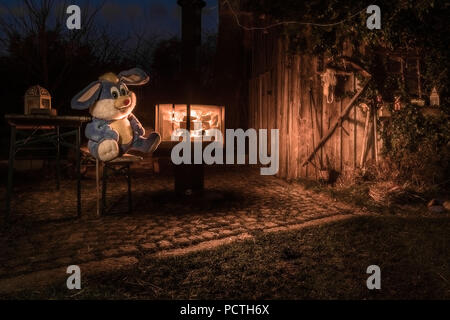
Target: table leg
<point>58,158</point>
<point>78,169</point>
<point>12,155</point>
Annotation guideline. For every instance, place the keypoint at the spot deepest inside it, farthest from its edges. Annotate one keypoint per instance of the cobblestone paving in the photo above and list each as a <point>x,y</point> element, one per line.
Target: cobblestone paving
<point>237,201</point>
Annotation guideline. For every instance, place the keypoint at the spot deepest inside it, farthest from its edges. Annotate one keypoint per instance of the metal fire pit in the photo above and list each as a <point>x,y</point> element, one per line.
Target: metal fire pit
<point>200,121</point>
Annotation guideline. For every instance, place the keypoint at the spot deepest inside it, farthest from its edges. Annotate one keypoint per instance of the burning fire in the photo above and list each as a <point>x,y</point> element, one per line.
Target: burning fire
<point>203,120</point>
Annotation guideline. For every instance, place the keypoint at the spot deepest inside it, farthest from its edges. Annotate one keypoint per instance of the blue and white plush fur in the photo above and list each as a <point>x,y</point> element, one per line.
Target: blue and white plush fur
<point>114,129</point>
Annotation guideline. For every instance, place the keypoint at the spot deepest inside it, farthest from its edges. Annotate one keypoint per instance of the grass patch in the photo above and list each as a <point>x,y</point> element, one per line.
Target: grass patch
<point>325,262</point>
<point>355,194</point>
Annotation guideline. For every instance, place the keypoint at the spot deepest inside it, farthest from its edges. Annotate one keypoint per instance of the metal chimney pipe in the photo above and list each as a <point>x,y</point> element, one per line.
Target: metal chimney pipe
<point>191,27</point>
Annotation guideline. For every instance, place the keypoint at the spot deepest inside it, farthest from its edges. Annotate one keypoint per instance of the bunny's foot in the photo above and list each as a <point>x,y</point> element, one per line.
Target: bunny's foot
<point>108,150</point>
<point>147,145</point>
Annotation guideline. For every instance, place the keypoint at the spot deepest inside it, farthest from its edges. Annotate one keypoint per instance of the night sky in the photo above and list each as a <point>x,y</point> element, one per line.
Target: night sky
<point>157,17</point>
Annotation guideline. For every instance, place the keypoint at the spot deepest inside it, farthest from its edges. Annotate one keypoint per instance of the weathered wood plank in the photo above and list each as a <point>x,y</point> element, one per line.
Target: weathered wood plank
<point>336,123</point>
<point>280,54</point>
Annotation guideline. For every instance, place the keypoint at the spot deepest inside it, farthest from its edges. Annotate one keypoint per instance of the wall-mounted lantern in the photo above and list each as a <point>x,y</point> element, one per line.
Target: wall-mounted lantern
<point>398,103</point>
<point>434,97</point>
<point>383,112</point>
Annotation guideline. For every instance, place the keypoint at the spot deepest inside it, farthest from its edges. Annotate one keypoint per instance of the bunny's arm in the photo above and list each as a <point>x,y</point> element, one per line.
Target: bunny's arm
<point>99,130</point>
<point>136,125</point>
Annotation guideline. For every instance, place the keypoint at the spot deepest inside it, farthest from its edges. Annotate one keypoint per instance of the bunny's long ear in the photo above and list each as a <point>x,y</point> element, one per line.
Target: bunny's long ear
<point>87,97</point>
<point>134,77</point>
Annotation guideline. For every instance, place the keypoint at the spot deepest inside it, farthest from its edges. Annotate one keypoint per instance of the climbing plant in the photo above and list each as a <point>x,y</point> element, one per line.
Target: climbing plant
<point>405,24</point>
<point>417,145</point>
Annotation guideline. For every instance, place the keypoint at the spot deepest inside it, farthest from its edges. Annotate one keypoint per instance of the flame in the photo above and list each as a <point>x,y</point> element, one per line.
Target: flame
<point>202,121</point>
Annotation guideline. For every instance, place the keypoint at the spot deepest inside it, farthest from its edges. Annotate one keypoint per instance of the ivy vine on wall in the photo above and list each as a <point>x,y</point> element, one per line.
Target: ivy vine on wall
<point>418,145</point>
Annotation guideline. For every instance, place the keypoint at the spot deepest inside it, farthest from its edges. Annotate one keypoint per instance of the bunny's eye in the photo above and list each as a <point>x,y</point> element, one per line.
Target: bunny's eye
<point>115,92</point>
<point>123,90</point>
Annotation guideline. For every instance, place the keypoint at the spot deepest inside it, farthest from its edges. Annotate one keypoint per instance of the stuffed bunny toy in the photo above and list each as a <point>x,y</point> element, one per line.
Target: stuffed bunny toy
<point>114,129</point>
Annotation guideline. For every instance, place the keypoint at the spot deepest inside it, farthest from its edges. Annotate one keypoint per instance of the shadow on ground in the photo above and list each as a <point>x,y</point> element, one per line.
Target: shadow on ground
<point>209,200</point>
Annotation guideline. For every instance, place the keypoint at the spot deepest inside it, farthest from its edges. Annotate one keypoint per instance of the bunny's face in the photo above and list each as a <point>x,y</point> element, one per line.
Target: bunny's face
<point>109,98</point>
<point>116,102</point>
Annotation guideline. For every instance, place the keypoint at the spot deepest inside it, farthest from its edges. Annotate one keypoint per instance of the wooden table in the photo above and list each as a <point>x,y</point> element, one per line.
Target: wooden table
<point>39,129</point>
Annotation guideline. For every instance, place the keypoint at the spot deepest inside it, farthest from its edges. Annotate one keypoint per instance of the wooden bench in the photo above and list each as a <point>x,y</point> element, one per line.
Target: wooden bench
<point>118,166</point>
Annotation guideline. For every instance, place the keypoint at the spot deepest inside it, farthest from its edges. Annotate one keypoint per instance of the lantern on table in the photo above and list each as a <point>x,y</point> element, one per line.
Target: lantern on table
<point>38,101</point>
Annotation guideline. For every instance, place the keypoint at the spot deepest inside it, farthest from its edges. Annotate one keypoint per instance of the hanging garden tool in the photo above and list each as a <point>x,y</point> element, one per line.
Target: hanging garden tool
<point>329,80</point>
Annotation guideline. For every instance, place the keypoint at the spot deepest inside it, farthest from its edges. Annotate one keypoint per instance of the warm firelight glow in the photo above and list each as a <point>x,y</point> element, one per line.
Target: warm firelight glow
<point>201,121</point>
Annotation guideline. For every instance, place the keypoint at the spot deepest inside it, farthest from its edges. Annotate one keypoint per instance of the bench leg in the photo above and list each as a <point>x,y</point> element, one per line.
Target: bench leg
<point>124,170</point>
<point>130,203</point>
<point>97,185</point>
<point>104,183</point>
<point>78,168</point>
